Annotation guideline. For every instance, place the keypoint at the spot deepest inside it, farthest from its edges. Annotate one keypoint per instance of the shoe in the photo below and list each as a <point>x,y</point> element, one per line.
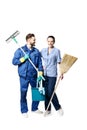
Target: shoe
<point>47,113</point>
<point>60,112</point>
<point>25,115</point>
<point>38,111</point>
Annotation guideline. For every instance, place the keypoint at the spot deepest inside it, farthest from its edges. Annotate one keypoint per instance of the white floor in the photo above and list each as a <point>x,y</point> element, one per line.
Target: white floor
<point>72,96</point>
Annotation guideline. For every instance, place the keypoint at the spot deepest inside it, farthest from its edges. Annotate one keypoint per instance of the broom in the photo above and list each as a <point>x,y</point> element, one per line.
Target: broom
<point>66,63</point>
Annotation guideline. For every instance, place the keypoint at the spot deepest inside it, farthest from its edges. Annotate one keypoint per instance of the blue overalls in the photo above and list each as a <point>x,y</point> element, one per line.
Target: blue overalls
<point>27,74</point>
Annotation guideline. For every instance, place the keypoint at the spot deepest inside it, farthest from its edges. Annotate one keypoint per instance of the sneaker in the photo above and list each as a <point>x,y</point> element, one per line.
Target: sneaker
<point>25,115</point>
<point>60,112</point>
<point>38,111</point>
<point>47,113</point>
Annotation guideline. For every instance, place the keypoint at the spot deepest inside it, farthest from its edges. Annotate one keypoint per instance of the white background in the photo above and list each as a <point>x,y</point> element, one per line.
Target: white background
<point>67,21</point>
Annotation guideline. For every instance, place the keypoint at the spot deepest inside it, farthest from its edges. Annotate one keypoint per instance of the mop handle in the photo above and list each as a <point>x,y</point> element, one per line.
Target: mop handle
<point>25,54</point>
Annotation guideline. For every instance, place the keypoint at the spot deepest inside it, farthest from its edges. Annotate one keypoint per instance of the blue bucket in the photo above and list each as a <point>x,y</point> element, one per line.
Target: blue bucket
<point>36,95</point>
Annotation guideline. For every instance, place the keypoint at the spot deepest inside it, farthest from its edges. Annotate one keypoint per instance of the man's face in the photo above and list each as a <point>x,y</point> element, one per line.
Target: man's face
<point>50,42</point>
<point>31,41</point>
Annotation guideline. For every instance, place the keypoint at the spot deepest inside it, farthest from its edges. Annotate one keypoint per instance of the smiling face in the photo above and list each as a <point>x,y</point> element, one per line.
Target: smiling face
<point>51,42</point>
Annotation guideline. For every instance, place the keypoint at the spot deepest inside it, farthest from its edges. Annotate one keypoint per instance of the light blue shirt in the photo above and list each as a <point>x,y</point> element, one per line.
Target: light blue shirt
<point>50,61</point>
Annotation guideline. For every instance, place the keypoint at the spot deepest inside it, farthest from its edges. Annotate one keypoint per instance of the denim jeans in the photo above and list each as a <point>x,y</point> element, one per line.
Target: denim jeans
<point>49,85</point>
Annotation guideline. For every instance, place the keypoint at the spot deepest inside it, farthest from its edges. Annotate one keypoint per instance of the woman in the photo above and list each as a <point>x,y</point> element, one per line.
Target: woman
<point>51,57</point>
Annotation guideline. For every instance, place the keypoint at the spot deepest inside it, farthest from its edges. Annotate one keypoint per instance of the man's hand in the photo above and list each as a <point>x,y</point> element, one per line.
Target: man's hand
<point>22,59</point>
<point>40,76</point>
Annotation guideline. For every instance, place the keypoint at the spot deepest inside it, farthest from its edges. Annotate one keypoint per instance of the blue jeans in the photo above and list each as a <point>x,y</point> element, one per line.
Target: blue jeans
<point>24,83</point>
<point>49,85</point>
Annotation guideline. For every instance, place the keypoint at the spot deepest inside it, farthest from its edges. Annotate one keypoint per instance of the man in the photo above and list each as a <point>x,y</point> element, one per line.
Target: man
<point>27,73</point>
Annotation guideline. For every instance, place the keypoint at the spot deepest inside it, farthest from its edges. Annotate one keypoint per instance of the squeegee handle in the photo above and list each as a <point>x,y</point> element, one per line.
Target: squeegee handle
<point>15,40</point>
<point>29,59</point>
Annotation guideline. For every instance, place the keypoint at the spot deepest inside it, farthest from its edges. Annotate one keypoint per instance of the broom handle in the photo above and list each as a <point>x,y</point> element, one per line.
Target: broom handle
<point>53,94</point>
<point>25,54</point>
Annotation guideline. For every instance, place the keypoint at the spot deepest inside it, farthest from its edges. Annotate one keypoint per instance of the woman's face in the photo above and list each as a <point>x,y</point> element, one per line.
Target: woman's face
<point>50,42</point>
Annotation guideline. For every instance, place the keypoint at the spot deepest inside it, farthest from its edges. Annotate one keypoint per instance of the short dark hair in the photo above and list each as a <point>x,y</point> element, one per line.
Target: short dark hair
<point>29,36</point>
<point>52,38</point>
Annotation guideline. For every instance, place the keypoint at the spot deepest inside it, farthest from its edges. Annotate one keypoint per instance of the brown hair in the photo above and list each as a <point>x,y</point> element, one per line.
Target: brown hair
<point>29,36</point>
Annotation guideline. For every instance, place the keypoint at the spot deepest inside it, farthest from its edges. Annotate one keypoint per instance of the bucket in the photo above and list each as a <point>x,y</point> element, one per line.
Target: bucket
<point>36,95</point>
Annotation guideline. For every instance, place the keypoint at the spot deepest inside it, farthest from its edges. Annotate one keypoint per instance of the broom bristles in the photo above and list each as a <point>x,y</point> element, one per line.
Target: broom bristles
<point>66,63</point>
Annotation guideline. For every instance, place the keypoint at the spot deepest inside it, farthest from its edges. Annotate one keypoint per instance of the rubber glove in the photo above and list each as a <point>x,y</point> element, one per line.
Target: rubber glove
<point>40,76</point>
<point>42,90</point>
<point>22,59</point>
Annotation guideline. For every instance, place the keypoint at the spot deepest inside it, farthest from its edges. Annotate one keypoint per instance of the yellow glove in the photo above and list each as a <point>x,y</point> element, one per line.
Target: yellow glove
<point>40,76</point>
<point>40,73</point>
<point>22,59</point>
